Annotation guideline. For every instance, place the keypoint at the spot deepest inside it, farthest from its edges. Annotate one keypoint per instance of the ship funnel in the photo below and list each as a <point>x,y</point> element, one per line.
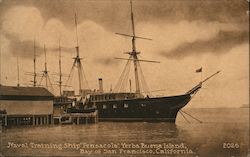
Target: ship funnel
<point>100,85</point>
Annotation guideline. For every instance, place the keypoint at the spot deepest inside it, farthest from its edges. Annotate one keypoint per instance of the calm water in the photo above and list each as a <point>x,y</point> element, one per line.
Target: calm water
<point>223,133</point>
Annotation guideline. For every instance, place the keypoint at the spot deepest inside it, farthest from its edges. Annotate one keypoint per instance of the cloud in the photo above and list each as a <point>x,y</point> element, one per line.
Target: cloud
<point>175,11</point>
<point>145,11</point>
<point>23,48</point>
<point>24,22</point>
<point>222,43</point>
<point>22,29</point>
<point>187,38</point>
<point>96,40</point>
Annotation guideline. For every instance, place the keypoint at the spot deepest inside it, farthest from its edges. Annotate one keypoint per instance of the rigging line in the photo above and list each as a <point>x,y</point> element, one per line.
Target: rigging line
<point>127,76</point>
<point>125,80</point>
<point>137,85</point>
<point>83,75</point>
<point>143,81</point>
<point>72,68</point>
<point>184,117</point>
<point>46,81</point>
<point>191,116</point>
<point>71,78</point>
<point>40,82</point>
<point>51,86</point>
<point>143,89</point>
<point>124,77</point>
<point>144,84</point>
<point>120,78</point>
<point>81,81</point>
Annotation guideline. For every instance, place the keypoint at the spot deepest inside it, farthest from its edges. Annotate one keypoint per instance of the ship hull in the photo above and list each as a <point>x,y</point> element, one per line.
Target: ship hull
<point>142,109</point>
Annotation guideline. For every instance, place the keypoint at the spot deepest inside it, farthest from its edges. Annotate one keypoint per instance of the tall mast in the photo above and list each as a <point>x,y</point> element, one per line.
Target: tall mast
<point>78,59</point>
<point>60,70</point>
<point>45,67</point>
<point>134,53</point>
<point>77,64</point>
<point>133,27</point>
<point>46,72</point>
<point>133,57</point>
<point>18,84</point>
<point>77,44</point>
<point>0,61</point>
<point>34,60</point>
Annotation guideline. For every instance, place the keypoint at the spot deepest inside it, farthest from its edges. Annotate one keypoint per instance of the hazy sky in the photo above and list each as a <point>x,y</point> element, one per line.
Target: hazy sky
<point>187,34</point>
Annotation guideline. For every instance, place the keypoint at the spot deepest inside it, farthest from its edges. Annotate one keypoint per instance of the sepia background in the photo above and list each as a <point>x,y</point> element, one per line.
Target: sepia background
<point>187,35</point>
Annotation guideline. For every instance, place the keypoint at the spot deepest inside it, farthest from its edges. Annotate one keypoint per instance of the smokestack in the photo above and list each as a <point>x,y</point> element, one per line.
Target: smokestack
<point>100,85</point>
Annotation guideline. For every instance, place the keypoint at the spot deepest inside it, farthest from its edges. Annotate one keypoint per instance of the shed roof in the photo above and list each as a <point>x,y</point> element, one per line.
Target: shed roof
<point>24,91</point>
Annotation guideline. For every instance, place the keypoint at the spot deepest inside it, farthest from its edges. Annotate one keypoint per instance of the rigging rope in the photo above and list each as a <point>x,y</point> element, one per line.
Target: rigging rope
<point>83,76</point>
<point>118,85</point>
<point>143,81</point>
<point>121,85</point>
<point>184,117</point>
<point>52,89</point>
<point>71,71</point>
<point>125,79</point>
<point>191,116</point>
<point>70,78</point>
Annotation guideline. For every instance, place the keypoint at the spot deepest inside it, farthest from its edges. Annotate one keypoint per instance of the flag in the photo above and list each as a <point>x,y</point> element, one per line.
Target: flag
<point>199,70</point>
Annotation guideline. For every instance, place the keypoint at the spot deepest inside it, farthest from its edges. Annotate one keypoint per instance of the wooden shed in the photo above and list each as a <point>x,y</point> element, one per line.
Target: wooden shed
<point>26,105</point>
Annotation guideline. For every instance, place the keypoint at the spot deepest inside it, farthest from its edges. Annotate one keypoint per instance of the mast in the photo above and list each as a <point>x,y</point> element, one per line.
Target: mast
<point>78,59</point>
<point>77,44</point>
<point>45,67</point>
<point>134,53</point>
<point>77,64</point>
<point>18,84</point>
<point>134,58</point>
<point>34,60</point>
<point>46,73</point>
<point>60,70</point>
<point>0,61</point>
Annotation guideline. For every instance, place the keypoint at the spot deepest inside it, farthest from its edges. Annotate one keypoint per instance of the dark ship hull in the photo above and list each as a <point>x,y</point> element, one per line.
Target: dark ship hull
<point>126,107</point>
<point>141,109</point>
<point>145,109</point>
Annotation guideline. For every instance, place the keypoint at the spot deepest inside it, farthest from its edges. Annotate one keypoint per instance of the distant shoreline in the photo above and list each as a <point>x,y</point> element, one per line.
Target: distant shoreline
<point>216,107</point>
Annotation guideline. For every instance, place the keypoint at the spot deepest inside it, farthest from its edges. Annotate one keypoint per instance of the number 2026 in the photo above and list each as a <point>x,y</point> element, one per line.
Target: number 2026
<point>231,145</point>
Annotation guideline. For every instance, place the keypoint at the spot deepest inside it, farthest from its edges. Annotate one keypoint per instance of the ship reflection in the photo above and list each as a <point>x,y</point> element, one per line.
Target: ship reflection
<point>172,130</point>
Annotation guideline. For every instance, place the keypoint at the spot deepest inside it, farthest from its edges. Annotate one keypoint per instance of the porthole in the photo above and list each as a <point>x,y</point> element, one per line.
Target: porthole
<point>143,105</point>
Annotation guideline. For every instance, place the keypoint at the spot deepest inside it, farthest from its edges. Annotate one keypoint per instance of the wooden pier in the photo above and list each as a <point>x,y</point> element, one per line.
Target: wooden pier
<point>10,120</point>
<point>65,118</point>
<point>75,118</point>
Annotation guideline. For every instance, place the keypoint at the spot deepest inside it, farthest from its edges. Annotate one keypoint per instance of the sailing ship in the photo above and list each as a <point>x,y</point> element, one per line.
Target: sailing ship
<point>134,106</point>
<point>68,100</point>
